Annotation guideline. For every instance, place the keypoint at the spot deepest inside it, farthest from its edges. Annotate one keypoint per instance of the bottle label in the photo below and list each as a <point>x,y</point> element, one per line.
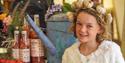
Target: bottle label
<point>24,36</point>
<point>37,49</point>
<point>15,53</point>
<point>25,55</point>
<point>16,37</point>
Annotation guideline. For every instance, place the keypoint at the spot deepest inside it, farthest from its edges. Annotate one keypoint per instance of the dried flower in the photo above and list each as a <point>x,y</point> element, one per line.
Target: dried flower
<point>53,10</point>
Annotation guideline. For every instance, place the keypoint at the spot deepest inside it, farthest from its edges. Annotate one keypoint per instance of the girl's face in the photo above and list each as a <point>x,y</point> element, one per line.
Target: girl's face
<point>86,27</point>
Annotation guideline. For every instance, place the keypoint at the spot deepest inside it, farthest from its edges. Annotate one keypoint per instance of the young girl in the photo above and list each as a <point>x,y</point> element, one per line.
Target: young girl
<point>92,44</point>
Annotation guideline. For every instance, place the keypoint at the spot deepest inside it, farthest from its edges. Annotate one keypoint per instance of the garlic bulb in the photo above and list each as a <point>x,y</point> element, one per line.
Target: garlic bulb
<point>109,18</point>
<point>70,16</point>
<point>74,5</point>
<point>101,10</point>
<point>88,3</point>
<point>79,4</point>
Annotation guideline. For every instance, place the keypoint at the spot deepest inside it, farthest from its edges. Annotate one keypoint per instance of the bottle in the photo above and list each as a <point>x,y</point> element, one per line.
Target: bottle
<point>24,47</point>
<point>26,27</point>
<point>36,20</point>
<point>15,47</point>
<point>37,47</point>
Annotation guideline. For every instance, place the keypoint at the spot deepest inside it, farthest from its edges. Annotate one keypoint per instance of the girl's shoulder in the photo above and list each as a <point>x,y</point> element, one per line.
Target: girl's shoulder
<point>107,45</point>
<point>73,47</point>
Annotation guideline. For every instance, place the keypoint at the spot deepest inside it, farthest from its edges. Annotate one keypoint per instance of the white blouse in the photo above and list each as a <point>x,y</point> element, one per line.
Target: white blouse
<point>107,52</point>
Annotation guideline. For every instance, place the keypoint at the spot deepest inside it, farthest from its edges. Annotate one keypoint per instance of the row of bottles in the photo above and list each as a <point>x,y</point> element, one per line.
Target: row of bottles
<point>27,46</point>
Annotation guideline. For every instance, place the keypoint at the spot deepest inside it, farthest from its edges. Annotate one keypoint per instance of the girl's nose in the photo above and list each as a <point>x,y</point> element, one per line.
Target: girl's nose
<point>83,29</point>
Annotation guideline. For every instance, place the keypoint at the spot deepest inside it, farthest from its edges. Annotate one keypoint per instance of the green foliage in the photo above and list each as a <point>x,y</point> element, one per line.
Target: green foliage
<point>15,22</point>
<point>10,30</point>
<point>67,7</point>
<point>7,55</point>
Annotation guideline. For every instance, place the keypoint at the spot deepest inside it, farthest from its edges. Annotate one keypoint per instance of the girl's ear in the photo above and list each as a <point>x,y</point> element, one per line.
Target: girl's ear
<point>101,30</point>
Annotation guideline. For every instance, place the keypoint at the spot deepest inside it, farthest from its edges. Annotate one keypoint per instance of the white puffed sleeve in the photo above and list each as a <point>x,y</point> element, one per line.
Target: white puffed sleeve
<point>65,57</point>
<point>118,54</point>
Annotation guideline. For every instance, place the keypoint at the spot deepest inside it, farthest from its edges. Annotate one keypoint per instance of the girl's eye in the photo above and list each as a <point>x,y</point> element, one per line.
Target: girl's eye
<point>89,26</point>
<point>78,23</point>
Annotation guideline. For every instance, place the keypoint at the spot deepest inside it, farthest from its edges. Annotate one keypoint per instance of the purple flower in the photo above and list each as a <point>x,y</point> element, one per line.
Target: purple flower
<point>53,9</point>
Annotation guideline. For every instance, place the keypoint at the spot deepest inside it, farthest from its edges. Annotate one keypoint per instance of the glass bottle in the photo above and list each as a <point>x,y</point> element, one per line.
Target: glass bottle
<point>15,47</point>
<point>24,47</point>
<point>37,47</point>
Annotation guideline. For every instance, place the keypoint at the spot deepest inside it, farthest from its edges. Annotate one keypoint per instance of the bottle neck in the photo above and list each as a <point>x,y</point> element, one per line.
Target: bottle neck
<point>33,34</point>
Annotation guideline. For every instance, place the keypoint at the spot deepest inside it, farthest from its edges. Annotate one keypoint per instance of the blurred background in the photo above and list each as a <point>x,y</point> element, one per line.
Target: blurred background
<point>54,23</point>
